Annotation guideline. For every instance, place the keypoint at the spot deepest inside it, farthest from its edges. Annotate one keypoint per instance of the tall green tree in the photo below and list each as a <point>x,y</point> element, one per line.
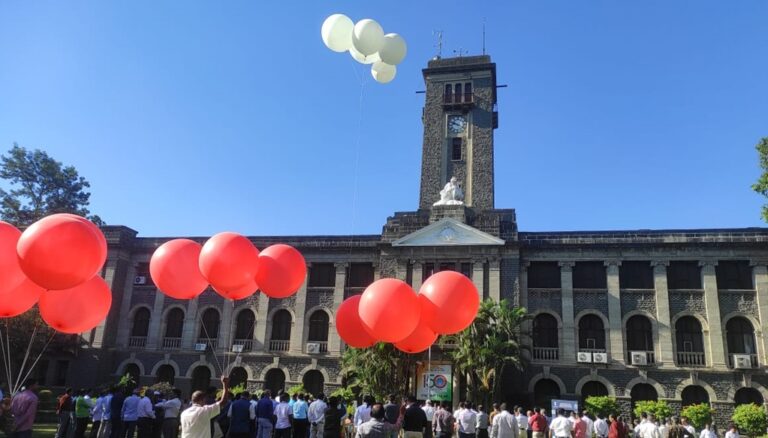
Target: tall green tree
<point>488,347</point>
<point>379,370</point>
<point>39,186</point>
<point>761,186</point>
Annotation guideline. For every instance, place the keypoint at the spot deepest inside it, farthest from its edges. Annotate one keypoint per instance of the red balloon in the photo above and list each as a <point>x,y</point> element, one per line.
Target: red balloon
<point>349,326</point>
<point>421,339</point>
<point>449,302</point>
<point>96,230</point>
<point>61,251</point>
<point>229,261</point>
<point>239,293</point>
<point>282,270</point>
<point>10,271</point>
<point>175,271</point>
<point>78,309</point>
<point>16,300</point>
<point>389,310</point>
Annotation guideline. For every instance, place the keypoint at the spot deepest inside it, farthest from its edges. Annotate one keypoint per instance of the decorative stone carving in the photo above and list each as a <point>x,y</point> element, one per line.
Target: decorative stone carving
<point>544,299</point>
<point>638,300</point>
<point>319,298</point>
<point>738,301</point>
<point>589,300</point>
<point>687,300</point>
<point>287,303</point>
<point>452,194</point>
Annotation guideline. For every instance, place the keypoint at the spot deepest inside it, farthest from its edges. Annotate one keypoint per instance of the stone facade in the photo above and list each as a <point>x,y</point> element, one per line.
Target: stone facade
<point>679,315</point>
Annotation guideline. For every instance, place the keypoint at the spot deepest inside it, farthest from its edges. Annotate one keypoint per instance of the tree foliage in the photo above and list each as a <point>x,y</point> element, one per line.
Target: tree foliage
<point>750,419</point>
<point>698,415</point>
<point>379,370</point>
<point>601,406</point>
<point>40,186</point>
<point>761,186</point>
<point>658,408</point>
<point>487,347</point>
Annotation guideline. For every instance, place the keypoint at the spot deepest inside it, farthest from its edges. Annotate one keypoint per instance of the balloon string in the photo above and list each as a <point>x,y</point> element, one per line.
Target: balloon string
<point>356,167</point>
<point>6,360</point>
<point>210,344</point>
<point>7,354</point>
<point>26,357</point>
<point>45,347</point>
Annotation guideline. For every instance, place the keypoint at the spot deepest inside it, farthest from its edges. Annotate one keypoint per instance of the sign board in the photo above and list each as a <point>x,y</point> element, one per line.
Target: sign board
<point>566,405</point>
<point>435,383</point>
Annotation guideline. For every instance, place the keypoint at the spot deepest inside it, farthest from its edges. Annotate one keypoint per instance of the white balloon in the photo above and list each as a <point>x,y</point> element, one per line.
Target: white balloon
<point>367,37</point>
<point>394,49</point>
<point>362,59</point>
<point>383,72</point>
<point>337,32</point>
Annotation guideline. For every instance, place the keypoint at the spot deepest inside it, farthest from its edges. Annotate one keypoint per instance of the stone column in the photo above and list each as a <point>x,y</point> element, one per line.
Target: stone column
<point>525,326</point>
<point>189,334</point>
<point>418,271</point>
<point>664,321</point>
<point>123,325</point>
<point>615,332</point>
<point>260,333</point>
<point>334,341</point>
<point>760,273</point>
<point>716,344</point>
<point>494,279</point>
<point>300,305</point>
<point>568,339</point>
<point>156,321</point>
<point>478,270</point>
<point>225,329</point>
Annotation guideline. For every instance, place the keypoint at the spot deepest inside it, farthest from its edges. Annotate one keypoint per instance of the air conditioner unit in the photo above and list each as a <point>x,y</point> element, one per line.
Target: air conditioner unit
<point>237,348</point>
<point>313,348</point>
<point>638,357</point>
<point>200,347</point>
<point>600,357</point>
<point>140,279</point>
<point>583,357</point>
<point>742,361</point>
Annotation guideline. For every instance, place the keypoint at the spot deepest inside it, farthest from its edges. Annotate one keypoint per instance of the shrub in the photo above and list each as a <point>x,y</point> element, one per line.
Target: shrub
<point>750,419</point>
<point>658,408</point>
<point>601,405</point>
<point>296,389</point>
<point>344,394</point>
<point>698,415</point>
<point>163,388</point>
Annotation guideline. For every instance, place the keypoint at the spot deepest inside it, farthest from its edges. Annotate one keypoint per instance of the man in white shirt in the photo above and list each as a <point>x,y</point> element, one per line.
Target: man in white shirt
<point>363,412</point>
<point>196,419</point>
<point>505,424</point>
<point>688,427</point>
<point>732,431</point>
<point>560,426</point>
<point>316,417</point>
<point>522,422</point>
<point>601,427</point>
<point>429,411</point>
<point>648,428</point>
<point>588,421</point>
<point>171,410</point>
<point>467,422</point>
<point>284,417</point>
<point>146,416</point>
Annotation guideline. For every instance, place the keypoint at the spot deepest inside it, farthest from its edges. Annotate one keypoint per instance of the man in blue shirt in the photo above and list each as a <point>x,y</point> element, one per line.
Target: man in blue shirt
<point>130,414</point>
<point>241,414</point>
<point>264,414</point>
<point>300,421</point>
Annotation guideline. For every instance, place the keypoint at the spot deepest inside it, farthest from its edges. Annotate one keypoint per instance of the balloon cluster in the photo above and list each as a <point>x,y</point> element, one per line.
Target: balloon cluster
<point>230,264</point>
<point>55,263</point>
<point>366,42</point>
<point>390,311</point>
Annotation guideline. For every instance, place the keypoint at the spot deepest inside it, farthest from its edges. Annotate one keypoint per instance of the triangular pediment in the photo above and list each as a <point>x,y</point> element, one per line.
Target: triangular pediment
<point>448,232</point>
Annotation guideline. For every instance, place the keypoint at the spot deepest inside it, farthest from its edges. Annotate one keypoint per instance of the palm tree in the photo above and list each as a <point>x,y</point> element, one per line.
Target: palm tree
<point>487,347</point>
<point>378,370</point>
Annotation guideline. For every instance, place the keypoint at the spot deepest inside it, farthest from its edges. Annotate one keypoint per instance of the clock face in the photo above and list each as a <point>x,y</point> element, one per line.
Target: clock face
<point>456,124</point>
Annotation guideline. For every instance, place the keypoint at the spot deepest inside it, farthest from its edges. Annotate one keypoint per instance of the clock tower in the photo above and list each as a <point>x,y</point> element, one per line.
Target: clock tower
<point>459,118</point>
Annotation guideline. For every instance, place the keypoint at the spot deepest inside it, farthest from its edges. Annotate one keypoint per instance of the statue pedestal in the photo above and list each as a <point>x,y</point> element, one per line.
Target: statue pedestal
<point>458,212</point>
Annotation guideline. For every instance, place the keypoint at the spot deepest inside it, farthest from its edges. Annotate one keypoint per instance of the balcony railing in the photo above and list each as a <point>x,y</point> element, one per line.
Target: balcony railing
<point>210,343</point>
<point>753,360</point>
<point>279,345</point>
<point>323,346</point>
<point>247,344</point>
<point>691,359</point>
<point>592,350</point>
<point>137,341</point>
<point>546,353</point>
<point>171,343</point>
<point>650,357</point>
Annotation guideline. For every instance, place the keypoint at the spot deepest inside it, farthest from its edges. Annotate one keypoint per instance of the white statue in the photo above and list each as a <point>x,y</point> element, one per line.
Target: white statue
<point>451,194</point>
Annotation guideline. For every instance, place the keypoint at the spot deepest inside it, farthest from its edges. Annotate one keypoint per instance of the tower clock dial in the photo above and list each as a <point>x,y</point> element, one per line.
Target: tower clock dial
<point>457,124</point>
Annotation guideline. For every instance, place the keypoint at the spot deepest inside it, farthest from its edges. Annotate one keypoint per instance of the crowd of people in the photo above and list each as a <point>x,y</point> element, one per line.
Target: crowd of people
<point>118,413</point>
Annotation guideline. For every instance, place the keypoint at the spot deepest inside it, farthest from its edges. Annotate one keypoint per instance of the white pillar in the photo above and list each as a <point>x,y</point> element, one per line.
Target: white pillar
<point>478,270</point>
<point>260,334</point>
<point>297,332</point>
<point>760,273</point>
<point>568,332</point>
<point>334,341</point>
<point>123,325</point>
<point>189,334</point>
<point>225,328</point>
<point>666,352</point>
<point>716,342</point>
<point>155,321</point>
<point>615,332</point>
<point>494,279</point>
<point>417,272</point>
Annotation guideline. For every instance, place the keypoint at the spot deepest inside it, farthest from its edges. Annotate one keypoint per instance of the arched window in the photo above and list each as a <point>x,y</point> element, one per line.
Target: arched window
<point>244,324</point>
<point>140,323</point>
<point>201,378</point>
<point>694,395</point>
<point>174,323</point>
<point>280,338</point>
<point>209,325</point>
<point>741,336</point>
<point>545,342</point>
<point>166,373</point>
<point>237,376</point>
<point>639,337</point>
<point>313,381</point>
<point>318,327</point>
<point>745,396</point>
<point>133,370</point>
<point>591,333</point>
<point>544,391</point>
<point>593,389</point>
<point>642,392</point>
<point>274,380</point>
<point>690,342</point>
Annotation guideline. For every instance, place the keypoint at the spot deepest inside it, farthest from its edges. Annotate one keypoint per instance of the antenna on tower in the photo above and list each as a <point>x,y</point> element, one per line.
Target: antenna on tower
<point>439,44</point>
<point>483,35</point>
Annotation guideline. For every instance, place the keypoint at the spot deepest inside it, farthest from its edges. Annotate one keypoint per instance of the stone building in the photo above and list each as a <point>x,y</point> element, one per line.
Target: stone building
<point>670,314</point>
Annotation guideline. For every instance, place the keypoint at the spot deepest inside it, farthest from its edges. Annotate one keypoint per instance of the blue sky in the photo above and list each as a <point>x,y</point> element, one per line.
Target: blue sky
<point>190,118</point>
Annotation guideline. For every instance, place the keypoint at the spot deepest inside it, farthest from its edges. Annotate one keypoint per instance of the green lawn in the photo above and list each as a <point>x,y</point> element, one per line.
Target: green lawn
<point>44,430</point>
